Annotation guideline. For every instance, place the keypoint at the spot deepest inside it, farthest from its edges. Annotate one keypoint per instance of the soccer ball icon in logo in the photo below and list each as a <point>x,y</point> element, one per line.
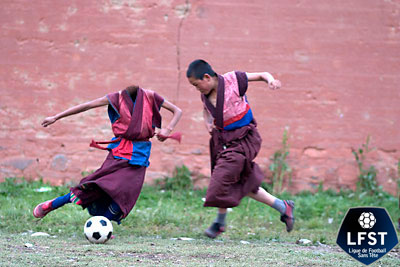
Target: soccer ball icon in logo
<point>98,229</point>
<point>367,220</point>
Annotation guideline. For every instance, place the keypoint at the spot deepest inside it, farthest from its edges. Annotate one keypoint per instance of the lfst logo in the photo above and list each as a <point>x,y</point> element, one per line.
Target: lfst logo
<point>367,220</point>
<point>367,234</point>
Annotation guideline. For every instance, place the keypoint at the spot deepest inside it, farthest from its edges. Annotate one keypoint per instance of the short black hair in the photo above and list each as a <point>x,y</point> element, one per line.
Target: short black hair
<point>198,68</point>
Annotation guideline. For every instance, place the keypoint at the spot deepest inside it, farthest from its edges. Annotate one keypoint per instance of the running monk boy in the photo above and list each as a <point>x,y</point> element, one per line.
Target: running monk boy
<point>234,142</point>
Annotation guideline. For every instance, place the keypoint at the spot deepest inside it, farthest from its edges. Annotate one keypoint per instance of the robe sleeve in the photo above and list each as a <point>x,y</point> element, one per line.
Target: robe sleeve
<point>113,106</point>
<point>242,82</point>
<point>159,100</point>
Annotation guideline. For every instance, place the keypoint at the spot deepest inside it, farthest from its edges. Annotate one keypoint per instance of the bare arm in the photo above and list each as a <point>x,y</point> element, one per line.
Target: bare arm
<point>176,117</point>
<point>264,76</point>
<point>102,101</point>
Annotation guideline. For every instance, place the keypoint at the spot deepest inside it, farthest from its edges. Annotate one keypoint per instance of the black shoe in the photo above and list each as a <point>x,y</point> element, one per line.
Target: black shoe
<point>215,230</point>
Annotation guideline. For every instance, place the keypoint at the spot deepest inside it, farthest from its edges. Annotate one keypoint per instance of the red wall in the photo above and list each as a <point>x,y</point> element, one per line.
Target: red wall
<point>339,63</point>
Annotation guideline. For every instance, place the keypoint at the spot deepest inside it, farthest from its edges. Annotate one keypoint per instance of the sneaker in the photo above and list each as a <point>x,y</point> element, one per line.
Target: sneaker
<point>42,209</point>
<point>288,217</point>
<point>214,230</point>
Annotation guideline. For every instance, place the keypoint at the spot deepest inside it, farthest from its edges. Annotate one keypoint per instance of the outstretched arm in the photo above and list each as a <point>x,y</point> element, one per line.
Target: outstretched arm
<point>266,77</point>
<point>102,101</point>
<point>177,115</point>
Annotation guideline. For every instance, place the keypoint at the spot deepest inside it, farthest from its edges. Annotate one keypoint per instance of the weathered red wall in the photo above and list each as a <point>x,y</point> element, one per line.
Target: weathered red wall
<point>339,62</point>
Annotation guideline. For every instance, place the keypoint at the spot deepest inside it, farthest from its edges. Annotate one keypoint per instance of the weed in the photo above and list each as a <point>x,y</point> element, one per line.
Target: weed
<point>181,180</point>
<point>279,167</point>
<point>398,180</point>
<point>367,177</point>
<point>398,191</point>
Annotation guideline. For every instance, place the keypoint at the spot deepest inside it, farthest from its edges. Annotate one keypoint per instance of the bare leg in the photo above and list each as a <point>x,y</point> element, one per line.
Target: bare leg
<point>263,197</point>
<point>221,210</point>
<point>285,207</point>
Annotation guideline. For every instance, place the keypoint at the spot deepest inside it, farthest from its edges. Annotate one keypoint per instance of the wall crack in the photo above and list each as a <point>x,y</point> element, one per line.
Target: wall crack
<point>183,12</point>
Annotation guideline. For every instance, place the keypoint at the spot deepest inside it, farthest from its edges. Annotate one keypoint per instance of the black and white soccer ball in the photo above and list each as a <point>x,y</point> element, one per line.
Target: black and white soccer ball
<point>367,220</point>
<point>98,229</point>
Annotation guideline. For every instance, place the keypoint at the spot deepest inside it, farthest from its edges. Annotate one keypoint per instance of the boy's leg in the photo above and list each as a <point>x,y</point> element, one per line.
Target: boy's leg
<point>43,208</point>
<point>114,212</point>
<point>61,201</point>
<point>218,226</point>
<point>285,207</point>
<point>110,210</point>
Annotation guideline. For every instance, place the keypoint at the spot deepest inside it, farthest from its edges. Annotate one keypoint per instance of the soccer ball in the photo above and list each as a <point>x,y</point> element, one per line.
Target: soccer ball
<point>367,220</point>
<point>98,229</point>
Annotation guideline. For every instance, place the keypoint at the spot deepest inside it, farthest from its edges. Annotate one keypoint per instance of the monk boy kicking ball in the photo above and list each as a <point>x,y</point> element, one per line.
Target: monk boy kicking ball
<point>234,142</point>
<point>112,190</point>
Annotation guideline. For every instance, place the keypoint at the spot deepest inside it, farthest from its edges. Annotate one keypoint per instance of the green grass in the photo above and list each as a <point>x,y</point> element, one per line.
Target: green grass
<point>160,215</point>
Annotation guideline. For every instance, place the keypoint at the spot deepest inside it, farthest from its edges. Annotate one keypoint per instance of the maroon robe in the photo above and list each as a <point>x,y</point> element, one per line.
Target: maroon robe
<point>233,172</point>
<point>117,179</point>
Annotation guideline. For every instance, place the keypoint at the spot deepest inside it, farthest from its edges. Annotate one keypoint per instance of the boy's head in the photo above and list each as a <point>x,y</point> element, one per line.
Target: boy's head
<point>201,75</point>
